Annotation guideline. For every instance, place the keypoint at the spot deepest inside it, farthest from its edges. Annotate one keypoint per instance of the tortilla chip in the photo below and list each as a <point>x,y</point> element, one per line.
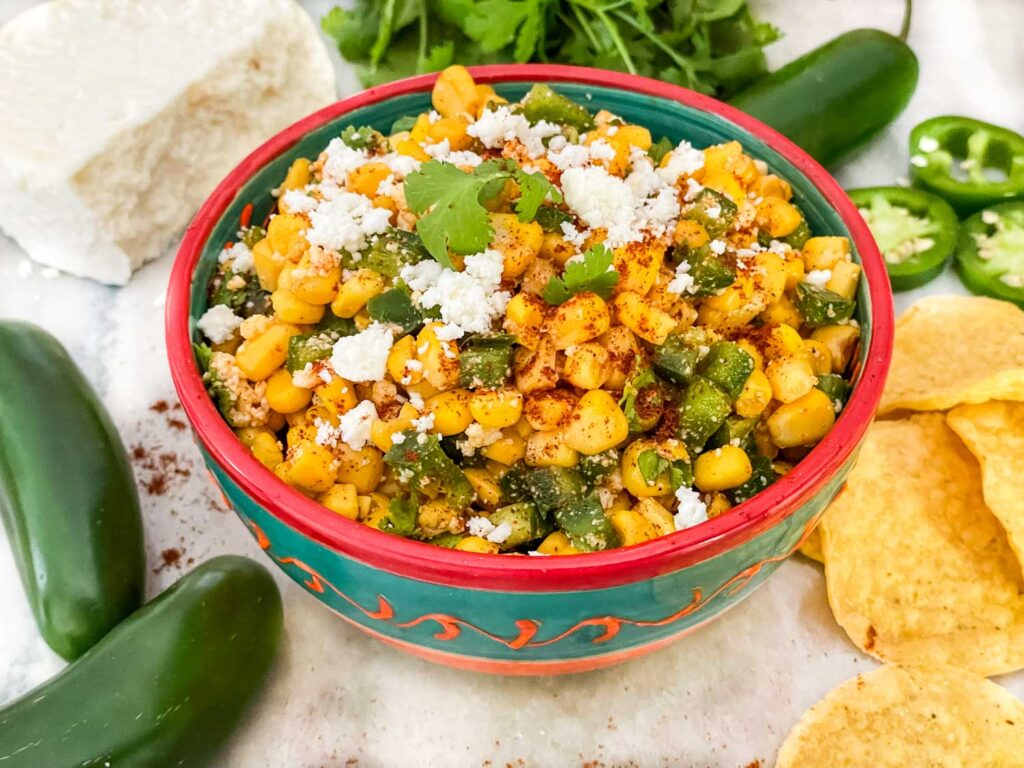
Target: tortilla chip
<point>917,569</point>
<point>955,349</point>
<point>994,433</point>
<point>811,548</point>
<point>901,716</point>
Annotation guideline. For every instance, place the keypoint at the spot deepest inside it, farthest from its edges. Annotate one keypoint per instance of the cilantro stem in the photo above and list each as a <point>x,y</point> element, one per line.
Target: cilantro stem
<point>423,35</point>
<point>679,60</point>
<point>585,26</point>
<point>620,46</point>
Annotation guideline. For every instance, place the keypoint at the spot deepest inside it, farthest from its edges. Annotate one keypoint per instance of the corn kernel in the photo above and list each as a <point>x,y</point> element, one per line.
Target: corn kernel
<point>656,514</point>
<point>451,411</point>
<point>819,355</point>
<point>488,492</point>
<point>298,175</point>
<point>477,544</point>
<point>845,275</point>
<point>548,449</point>
<point>341,498</point>
<point>402,353</point>
<point>289,308</point>
<point>841,341</point>
<point>755,396</point>
<point>557,543</point>
<point>824,252</point>
<point>258,358</point>
<point>587,365</point>
<point>510,449</point>
<point>777,217</point>
<point>268,264</point>
<point>311,467</point>
<point>524,318</point>
<point>285,397</point>
<point>646,321</point>
<point>802,422</point>
<point>722,469</point>
<point>338,396</point>
<point>285,234</point>
<point>496,408</point>
<point>790,377</point>
<point>455,92</point>
<point>356,291</point>
<point>597,424</point>
<point>518,242</point>
<point>440,358</point>
<point>361,469</point>
<point>632,527</point>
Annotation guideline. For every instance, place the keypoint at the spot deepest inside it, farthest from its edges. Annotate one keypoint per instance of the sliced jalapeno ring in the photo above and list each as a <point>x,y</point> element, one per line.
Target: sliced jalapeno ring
<point>915,231</point>
<point>968,163</point>
<point>990,254</point>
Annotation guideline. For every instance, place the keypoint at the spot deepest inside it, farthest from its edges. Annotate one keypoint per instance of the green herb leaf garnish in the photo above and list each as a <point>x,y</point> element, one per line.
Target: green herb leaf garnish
<point>593,273</point>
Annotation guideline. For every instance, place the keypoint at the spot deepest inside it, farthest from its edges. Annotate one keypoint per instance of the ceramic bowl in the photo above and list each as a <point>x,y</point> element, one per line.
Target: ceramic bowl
<point>528,615</point>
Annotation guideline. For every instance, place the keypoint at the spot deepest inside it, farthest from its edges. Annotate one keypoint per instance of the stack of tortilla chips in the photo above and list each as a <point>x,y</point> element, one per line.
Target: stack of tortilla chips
<point>923,552</point>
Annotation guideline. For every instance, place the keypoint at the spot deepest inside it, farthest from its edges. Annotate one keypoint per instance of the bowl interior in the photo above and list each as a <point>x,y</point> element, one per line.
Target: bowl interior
<point>663,117</point>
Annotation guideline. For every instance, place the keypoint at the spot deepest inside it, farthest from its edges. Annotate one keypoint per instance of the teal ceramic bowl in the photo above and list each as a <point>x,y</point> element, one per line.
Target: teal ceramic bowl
<point>528,615</point>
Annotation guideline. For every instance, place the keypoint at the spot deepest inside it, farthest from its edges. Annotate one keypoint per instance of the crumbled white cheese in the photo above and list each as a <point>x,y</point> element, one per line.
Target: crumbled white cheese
<point>327,434</point>
<point>683,282</point>
<point>600,200</point>
<point>439,149</point>
<point>573,235</point>
<point>601,150</point>
<point>297,201</point>
<point>469,301</point>
<point>364,356</point>
<point>692,511</point>
<point>717,246</point>
<point>397,438</point>
<point>390,186</point>
<point>240,257</point>
<point>400,165</point>
<point>564,156</point>
<point>684,160</point>
<point>818,277</point>
<point>497,127</point>
<point>443,152</point>
<point>485,529</point>
<point>355,425</point>
<point>424,423</point>
<point>219,323</point>
<point>340,160</point>
<point>500,533</point>
<point>478,436</point>
<point>344,221</point>
<point>416,401</point>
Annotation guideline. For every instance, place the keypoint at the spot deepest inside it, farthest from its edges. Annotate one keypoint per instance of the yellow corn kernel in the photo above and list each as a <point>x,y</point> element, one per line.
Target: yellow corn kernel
<point>477,544</point>
<point>633,479</point>
<point>285,397</point>
<point>790,377</point>
<point>777,217</point>
<point>656,515</point>
<point>690,234</point>
<point>510,449</point>
<point>284,277</point>
<point>722,469</point>
<point>587,365</point>
<point>402,353</point>
<point>725,183</point>
<point>488,492</point>
<point>298,175</point>
<point>646,321</point>
<point>623,349</point>
<point>440,358</point>
<point>311,467</point>
<point>373,509</point>
<point>717,504</point>
<point>556,249</point>
<point>537,276</point>
<point>259,357</point>
<point>485,95</point>
<point>802,422</point>
<point>845,275</point>
<point>337,395</point>
<point>300,431</point>
<point>597,424</point>
<point>637,265</point>
<point>365,179</point>
<point>841,340</point>
<point>771,283</point>
<point>549,409</point>
<point>362,469</point>
<point>548,449</point>
<point>268,264</point>
<point>420,128</point>
<point>285,234</point>
<point>496,408</point>
<point>819,355</point>
<point>382,431</point>
<point>783,340</point>
<point>451,411</point>
<point>312,285</point>
<point>356,291</point>
<point>454,130</point>
<point>289,308</point>
<point>782,312</point>
<point>341,498</point>
<point>410,148</point>
<point>632,527</point>
<point>455,92</point>
<point>824,252</point>
<point>794,268</point>
<point>536,369</point>
<point>518,242</point>
<point>721,158</point>
<point>755,396</point>
<point>770,185</point>
<point>524,318</point>
<point>634,135</point>
<point>264,446</point>
<point>437,516</point>
<point>557,543</point>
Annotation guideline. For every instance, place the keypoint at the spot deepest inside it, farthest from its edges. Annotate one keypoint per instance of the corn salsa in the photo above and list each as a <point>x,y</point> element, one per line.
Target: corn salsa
<point>529,328</point>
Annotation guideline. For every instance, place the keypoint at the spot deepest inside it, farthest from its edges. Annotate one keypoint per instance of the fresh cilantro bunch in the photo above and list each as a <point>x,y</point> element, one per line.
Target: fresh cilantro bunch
<point>457,219</point>
<point>712,46</point>
<point>594,273</point>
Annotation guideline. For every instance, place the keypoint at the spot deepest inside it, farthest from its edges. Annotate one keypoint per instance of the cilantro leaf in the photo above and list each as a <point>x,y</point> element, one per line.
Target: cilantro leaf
<point>652,464</point>
<point>363,137</point>
<point>401,517</point>
<point>594,273</point>
<point>534,189</point>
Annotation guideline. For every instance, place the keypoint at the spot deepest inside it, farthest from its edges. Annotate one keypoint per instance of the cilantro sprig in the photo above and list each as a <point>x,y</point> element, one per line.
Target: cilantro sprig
<point>457,219</point>
<point>594,273</point>
<point>652,464</point>
<point>715,47</point>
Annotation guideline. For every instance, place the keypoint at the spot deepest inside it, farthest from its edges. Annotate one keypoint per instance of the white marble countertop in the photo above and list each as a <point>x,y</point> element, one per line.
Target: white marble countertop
<point>724,697</point>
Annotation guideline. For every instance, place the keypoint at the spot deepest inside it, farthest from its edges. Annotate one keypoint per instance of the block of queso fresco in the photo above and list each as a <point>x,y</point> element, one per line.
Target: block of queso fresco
<point>117,117</point>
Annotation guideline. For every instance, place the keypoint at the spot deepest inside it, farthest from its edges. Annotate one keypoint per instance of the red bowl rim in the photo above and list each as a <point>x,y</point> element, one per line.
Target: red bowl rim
<point>426,562</point>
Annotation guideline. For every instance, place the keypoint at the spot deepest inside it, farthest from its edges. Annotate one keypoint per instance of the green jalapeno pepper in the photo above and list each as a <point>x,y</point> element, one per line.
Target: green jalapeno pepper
<point>990,254</point>
<point>915,231</point>
<point>968,163</point>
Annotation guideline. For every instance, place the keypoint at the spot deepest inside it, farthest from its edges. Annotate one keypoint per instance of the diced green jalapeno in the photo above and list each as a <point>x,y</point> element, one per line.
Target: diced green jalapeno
<point>551,218</point>
<point>675,360</point>
<point>728,366</point>
<point>642,401</point>
<point>712,210</point>
<point>338,326</point>
<point>595,468</point>
<point>246,301</point>
<point>711,272</point>
<point>659,149</point>
<point>554,487</point>
<point>542,103</point>
<point>820,306</point>
<point>514,485</point>
<point>586,524</point>
<point>836,387</point>
<point>701,412</point>
<point>401,517</point>
<point>526,522</point>
<point>307,348</point>
<point>735,430</point>
<point>763,475</point>
<point>252,234</point>
<point>362,137</point>
<point>392,250</point>
<point>486,361</point>
<point>420,459</point>
<point>402,124</point>
<point>798,236</point>
<point>395,306</point>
